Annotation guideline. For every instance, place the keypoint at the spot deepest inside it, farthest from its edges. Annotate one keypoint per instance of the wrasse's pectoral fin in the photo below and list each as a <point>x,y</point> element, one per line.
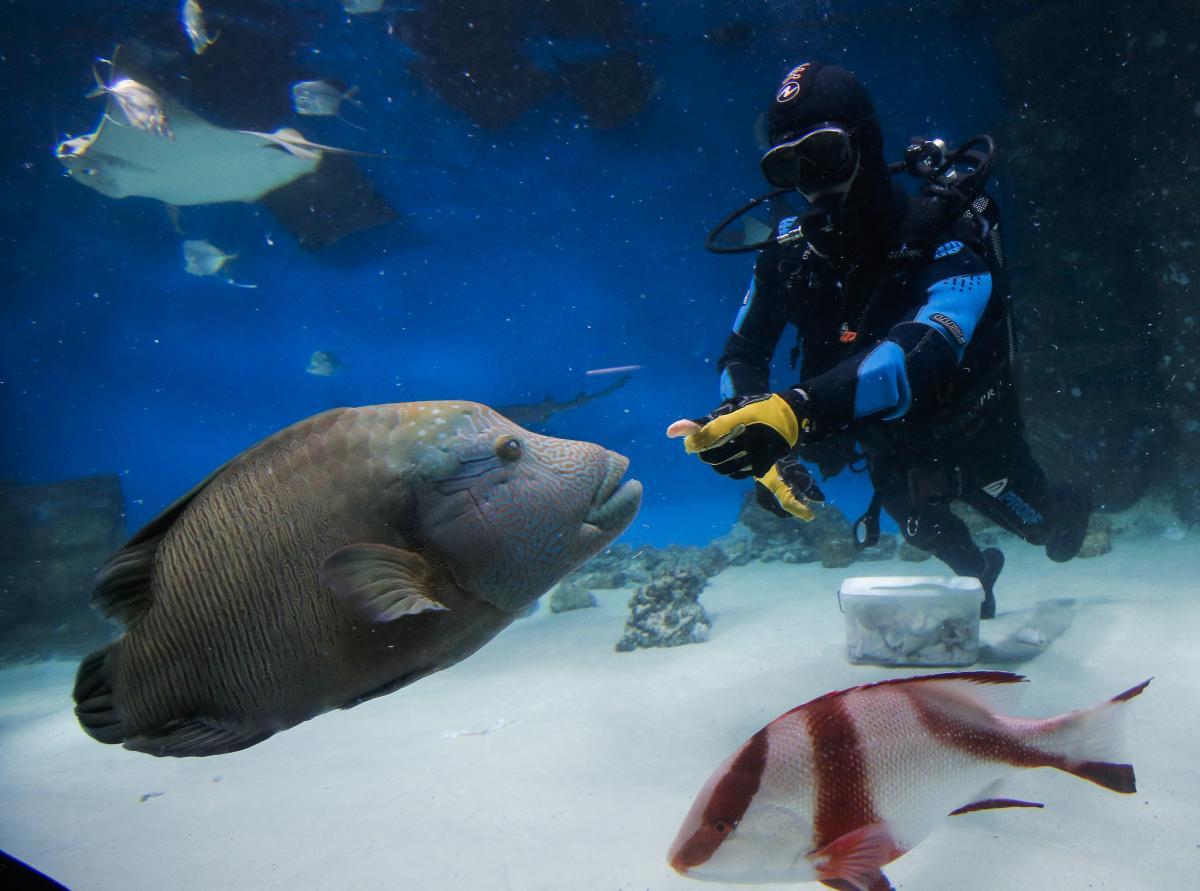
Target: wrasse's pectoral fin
<point>382,582</point>
<point>854,861</point>
<point>992,803</point>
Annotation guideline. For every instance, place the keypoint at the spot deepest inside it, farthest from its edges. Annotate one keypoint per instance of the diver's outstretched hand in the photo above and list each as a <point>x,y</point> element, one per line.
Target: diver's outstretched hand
<point>745,436</point>
<point>754,436</point>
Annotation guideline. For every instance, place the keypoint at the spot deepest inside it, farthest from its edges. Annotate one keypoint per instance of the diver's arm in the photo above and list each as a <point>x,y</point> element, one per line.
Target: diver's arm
<point>745,362</point>
<point>917,355</point>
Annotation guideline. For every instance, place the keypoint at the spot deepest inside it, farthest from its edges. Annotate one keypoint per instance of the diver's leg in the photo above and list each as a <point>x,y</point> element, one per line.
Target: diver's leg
<point>1010,488</point>
<point>937,530</point>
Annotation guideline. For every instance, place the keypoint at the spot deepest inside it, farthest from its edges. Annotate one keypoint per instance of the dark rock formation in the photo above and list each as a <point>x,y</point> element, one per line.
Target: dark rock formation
<point>761,535</point>
<point>1100,151</point>
<point>56,537</point>
<point>621,565</point>
<point>611,90</point>
<point>667,612</point>
<point>495,60</point>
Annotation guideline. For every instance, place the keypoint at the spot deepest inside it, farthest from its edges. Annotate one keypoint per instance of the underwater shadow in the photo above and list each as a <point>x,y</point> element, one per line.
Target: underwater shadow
<point>1039,628</point>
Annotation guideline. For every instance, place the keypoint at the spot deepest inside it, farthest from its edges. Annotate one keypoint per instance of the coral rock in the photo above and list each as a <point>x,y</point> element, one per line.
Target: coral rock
<point>1097,542</point>
<point>667,612</point>
<point>571,594</point>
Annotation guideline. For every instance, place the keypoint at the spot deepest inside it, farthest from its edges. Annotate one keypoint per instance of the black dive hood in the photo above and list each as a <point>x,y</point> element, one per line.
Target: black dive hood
<point>952,179</point>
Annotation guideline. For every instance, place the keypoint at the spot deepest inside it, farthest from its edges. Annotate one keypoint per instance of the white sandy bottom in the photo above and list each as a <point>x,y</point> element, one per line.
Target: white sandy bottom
<point>600,753</point>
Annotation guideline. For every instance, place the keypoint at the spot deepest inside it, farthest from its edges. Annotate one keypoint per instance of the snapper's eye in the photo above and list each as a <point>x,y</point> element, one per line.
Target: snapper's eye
<point>509,448</point>
<point>720,827</point>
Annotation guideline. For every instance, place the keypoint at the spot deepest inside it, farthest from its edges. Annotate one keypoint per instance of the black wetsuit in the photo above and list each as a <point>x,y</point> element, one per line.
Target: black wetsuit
<point>909,353</point>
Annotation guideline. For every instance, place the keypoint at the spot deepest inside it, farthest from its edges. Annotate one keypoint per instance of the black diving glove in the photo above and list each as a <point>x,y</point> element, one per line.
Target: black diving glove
<point>746,436</point>
<point>788,490</point>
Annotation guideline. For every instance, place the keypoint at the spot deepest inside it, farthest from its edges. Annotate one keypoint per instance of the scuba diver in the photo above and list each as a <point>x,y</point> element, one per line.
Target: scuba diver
<point>904,339</point>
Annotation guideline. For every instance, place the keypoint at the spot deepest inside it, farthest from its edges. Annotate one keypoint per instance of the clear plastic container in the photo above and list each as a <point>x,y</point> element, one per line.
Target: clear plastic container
<point>914,620</point>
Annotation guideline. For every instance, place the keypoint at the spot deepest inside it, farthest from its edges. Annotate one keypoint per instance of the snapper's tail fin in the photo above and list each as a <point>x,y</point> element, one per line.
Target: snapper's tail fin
<point>1084,741</point>
<point>94,706</point>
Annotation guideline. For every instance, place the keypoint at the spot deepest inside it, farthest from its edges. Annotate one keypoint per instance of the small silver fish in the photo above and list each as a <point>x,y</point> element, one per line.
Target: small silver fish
<point>203,258</point>
<point>142,107</point>
<point>324,364</point>
<point>320,97</point>
<point>192,18</point>
<point>616,369</point>
<point>357,7</point>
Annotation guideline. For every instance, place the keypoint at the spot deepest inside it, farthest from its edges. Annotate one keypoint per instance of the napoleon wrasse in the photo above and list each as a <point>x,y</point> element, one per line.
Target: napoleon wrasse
<point>338,560</point>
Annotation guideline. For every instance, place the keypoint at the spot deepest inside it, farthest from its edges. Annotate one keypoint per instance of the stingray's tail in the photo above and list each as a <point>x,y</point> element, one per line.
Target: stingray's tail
<point>94,706</point>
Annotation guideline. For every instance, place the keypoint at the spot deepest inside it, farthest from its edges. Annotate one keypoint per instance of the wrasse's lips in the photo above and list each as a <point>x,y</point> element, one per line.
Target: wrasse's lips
<point>618,510</point>
<point>616,502</point>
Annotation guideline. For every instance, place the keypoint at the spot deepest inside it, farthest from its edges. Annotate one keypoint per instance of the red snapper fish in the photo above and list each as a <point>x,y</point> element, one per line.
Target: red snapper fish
<point>835,789</point>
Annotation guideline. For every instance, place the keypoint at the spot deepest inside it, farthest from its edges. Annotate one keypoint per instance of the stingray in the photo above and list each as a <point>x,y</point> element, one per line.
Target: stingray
<point>317,192</point>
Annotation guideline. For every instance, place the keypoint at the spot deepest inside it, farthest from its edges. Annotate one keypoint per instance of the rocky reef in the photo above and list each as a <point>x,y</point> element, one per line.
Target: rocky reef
<point>56,537</point>
<point>667,611</point>
<point>623,566</point>
<point>760,535</point>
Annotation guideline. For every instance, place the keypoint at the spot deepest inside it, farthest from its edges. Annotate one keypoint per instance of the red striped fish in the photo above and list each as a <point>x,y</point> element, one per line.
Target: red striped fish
<point>834,790</point>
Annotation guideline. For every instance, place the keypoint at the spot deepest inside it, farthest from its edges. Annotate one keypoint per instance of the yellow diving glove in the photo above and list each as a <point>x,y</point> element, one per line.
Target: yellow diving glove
<point>746,436</point>
<point>787,489</point>
<point>754,436</point>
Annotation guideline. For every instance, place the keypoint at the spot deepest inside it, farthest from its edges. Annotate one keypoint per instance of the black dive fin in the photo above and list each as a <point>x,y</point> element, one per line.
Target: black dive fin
<point>195,737</point>
<point>381,582</point>
<point>93,699</point>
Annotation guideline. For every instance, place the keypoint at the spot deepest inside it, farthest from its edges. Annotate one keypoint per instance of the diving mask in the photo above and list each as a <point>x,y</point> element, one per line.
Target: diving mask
<point>820,161</point>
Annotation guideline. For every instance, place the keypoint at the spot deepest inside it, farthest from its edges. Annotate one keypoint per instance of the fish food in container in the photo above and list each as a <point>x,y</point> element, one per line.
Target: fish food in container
<point>911,620</point>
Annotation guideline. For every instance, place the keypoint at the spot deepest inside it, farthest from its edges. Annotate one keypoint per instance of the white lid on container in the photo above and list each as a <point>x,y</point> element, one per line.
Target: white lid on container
<point>911,586</point>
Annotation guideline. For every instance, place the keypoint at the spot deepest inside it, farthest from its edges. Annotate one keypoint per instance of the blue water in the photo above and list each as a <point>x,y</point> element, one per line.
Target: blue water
<point>524,256</point>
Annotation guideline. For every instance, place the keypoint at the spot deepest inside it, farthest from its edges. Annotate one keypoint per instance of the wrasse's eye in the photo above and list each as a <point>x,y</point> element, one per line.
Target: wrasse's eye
<point>509,448</point>
<point>720,827</point>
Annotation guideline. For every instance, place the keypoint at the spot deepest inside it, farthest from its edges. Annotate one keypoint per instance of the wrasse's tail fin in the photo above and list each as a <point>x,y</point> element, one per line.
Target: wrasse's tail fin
<point>94,706</point>
<point>1085,739</point>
